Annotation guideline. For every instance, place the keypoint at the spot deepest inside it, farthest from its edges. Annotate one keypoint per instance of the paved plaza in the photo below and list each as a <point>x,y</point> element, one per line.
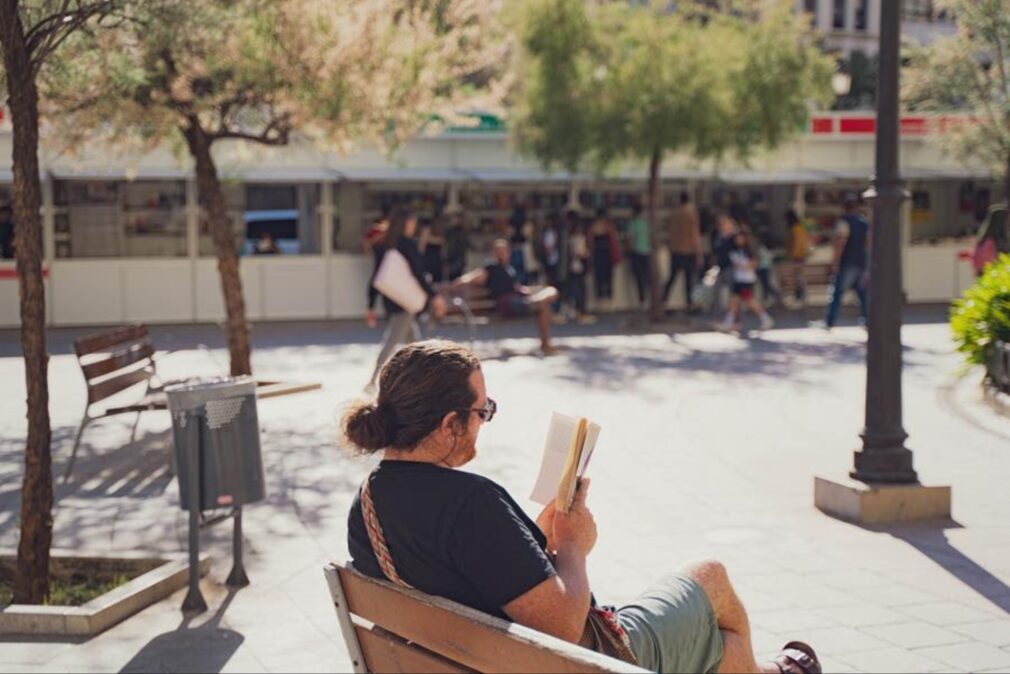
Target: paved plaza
<point>709,448</point>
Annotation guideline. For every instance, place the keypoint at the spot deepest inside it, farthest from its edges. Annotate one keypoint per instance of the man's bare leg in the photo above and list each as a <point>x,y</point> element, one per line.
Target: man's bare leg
<point>542,301</point>
<point>738,651</point>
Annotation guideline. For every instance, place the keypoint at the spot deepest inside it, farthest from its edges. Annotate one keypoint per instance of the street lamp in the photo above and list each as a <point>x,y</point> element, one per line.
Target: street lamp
<point>884,457</point>
<point>841,83</point>
<point>883,485</point>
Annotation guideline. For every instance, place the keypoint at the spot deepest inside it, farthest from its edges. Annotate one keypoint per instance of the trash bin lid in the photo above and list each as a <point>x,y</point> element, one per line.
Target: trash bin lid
<point>196,393</point>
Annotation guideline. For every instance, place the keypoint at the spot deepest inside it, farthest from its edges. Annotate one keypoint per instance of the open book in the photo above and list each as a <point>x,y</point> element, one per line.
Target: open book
<point>569,446</point>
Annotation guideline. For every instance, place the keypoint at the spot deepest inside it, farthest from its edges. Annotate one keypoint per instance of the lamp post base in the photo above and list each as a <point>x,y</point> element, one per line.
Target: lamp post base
<point>884,466</point>
<point>861,503</point>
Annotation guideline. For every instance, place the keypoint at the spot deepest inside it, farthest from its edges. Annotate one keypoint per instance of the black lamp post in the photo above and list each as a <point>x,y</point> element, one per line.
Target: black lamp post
<point>884,457</point>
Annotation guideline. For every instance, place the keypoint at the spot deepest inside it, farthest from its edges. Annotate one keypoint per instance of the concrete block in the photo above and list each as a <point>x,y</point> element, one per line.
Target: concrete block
<point>103,612</point>
<point>860,503</point>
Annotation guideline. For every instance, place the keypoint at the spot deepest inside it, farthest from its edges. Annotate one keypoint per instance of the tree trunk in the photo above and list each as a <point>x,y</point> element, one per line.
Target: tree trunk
<point>657,310</point>
<point>1006,189</point>
<point>31,584</point>
<point>209,187</point>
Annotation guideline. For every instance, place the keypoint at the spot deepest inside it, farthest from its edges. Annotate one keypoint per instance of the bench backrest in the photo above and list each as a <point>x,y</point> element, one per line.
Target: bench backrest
<point>390,629</point>
<point>477,298</point>
<point>813,275</point>
<point>115,360</point>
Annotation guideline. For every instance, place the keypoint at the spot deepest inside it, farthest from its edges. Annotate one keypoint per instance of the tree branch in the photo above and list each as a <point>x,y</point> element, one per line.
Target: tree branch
<point>276,133</point>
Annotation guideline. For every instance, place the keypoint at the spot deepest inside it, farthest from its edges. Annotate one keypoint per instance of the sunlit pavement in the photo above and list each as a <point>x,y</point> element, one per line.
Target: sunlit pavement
<point>709,448</point>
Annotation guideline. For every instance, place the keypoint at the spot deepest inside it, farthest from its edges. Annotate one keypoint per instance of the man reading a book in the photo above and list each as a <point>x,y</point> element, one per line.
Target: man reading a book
<point>420,522</point>
<point>513,299</point>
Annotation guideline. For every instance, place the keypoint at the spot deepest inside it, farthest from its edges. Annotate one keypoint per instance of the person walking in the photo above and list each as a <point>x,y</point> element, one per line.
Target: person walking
<point>457,244</point>
<point>6,233</point>
<point>770,293</point>
<point>402,325</point>
<point>432,247</point>
<point>850,261</point>
<point>724,241</point>
<point>606,255</point>
<point>686,254</point>
<point>578,268</point>
<point>743,260</point>
<point>640,245</point>
<point>550,253</point>
<point>797,249</point>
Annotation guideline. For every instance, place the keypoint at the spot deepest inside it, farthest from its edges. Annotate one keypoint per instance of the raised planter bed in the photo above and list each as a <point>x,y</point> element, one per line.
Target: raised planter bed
<point>153,579</point>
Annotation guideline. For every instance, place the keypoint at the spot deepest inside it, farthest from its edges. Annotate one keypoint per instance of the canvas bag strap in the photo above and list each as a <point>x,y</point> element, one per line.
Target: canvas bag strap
<point>376,537</point>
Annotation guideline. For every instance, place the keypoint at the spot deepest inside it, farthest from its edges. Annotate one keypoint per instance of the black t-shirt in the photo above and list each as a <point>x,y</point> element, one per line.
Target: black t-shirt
<point>452,534</point>
<point>501,280</point>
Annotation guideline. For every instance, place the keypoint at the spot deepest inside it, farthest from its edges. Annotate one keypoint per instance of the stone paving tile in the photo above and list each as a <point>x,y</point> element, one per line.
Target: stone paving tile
<point>791,620</point>
<point>893,596</point>
<point>946,613</point>
<point>969,656</point>
<point>917,634</point>
<point>861,615</point>
<point>994,632</point>
<point>842,640</point>
<point>737,492</point>
<point>894,660</point>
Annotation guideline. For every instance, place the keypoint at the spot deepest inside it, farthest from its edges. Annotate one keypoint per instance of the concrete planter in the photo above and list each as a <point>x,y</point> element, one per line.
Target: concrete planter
<point>159,577</point>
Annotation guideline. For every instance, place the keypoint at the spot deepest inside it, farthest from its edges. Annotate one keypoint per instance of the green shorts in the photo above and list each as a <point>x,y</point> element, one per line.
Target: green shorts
<point>673,628</point>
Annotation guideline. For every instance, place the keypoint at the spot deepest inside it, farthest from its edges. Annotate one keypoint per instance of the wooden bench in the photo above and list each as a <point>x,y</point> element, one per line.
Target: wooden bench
<point>814,276</point>
<point>120,359</point>
<point>390,629</point>
<point>469,304</point>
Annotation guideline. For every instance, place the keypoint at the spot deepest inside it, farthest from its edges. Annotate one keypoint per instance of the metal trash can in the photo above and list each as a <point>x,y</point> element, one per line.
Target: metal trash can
<point>215,420</point>
<point>220,465</point>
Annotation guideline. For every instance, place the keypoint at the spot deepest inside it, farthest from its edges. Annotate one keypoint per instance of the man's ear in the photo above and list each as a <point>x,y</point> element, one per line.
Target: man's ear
<point>450,423</point>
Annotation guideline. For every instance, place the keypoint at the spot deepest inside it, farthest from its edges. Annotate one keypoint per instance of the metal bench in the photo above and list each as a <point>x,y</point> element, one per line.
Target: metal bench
<point>120,359</point>
<point>111,363</point>
<point>390,629</point>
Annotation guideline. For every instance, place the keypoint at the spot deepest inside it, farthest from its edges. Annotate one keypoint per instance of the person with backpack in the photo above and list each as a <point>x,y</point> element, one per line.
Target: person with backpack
<point>851,259</point>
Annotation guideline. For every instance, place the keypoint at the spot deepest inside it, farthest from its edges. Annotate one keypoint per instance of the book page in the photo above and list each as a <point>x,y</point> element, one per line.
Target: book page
<point>592,435</point>
<point>559,438</point>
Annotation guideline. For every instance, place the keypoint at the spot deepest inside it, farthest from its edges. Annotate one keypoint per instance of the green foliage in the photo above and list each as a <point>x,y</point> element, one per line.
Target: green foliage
<point>552,118</point>
<point>968,73</point>
<point>604,82</point>
<point>981,317</point>
<point>261,70</point>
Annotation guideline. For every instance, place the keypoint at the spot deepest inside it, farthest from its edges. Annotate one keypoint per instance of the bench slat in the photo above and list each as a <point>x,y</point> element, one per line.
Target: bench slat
<point>466,636</point>
<point>386,652</point>
<point>119,360</point>
<point>112,386</point>
<point>106,340</point>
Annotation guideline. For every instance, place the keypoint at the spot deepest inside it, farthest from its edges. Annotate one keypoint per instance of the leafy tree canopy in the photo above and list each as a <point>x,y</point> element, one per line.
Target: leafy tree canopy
<point>968,73</point>
<point>259,70</point>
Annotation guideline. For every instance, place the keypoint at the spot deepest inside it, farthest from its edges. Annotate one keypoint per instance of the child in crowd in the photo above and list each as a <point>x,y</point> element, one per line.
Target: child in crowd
<point>578,267</point>
<point>770,293</point>
<point>744,265</point>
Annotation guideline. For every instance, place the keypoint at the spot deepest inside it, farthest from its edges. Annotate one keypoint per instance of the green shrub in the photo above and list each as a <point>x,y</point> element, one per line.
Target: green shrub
<point>982,316</point>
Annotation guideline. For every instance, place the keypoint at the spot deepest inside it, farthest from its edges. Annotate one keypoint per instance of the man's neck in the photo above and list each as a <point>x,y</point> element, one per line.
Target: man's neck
<point>421,454</point>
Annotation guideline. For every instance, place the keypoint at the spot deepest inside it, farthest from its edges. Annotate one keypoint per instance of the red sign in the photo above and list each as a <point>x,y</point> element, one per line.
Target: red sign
<point>11,274</point>
<point>858,125</point>
<point>822,125</point>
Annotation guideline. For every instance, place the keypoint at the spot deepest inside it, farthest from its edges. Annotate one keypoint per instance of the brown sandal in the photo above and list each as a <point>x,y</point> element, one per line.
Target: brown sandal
<point>798,658</point>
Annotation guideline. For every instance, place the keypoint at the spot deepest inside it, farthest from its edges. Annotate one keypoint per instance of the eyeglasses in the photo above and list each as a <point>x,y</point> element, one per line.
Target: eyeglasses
<point>485,413</point>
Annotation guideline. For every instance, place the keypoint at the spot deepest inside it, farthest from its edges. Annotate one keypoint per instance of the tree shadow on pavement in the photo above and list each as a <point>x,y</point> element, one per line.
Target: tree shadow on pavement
<point>206,648</point>
<point>801,362</point>
<point>931,540</point>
